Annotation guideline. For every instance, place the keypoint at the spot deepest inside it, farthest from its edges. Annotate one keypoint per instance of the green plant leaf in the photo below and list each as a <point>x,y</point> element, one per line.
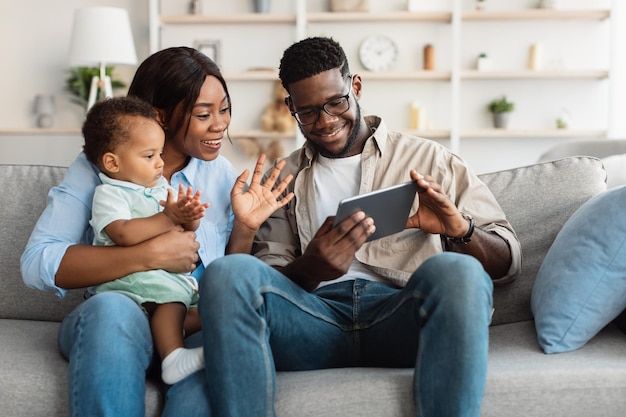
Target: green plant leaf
<point>501,105</point>
<point>78,83</point>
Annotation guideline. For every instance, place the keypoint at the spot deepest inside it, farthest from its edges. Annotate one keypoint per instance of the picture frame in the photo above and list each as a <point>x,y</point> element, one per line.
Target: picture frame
<point>210,48</point>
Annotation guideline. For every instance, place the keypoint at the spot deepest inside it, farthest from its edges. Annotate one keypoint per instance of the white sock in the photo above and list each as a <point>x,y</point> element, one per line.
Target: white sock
<point>181,363</point>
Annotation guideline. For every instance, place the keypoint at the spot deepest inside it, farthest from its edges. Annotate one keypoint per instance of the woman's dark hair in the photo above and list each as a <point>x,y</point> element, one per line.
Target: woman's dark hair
<point>107,125</point>
<point>309,57</point>
<point>173,77</point>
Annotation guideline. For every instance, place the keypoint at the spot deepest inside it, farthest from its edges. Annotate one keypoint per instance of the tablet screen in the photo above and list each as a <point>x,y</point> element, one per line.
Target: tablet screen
<point>389,207</point>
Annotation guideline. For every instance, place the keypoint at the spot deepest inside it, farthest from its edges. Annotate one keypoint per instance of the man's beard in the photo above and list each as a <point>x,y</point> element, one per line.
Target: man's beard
<point>352,138</point>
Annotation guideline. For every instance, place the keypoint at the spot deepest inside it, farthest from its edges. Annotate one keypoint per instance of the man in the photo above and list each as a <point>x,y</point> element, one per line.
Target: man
<point>327,298</point>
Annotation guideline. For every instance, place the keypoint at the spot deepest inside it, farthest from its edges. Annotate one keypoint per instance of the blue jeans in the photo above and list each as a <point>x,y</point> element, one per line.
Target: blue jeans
<point>108,343</point>
<point>257,321</point>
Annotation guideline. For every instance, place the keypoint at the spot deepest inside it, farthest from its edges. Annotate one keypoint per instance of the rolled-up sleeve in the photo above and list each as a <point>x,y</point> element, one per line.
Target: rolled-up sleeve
<point>63,223</point>
<point>472,196</point>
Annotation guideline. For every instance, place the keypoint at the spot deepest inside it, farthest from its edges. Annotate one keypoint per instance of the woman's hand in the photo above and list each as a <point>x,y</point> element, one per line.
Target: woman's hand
<point>254,205</point>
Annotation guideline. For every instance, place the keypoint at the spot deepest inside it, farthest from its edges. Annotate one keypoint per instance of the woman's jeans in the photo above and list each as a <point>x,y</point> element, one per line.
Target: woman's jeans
<point>256,321</point>
<point>108,343</point>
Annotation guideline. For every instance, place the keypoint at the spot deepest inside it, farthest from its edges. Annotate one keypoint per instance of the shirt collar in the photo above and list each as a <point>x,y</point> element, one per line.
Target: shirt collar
<point>190,170</point>
<point>161,183</point>
<point>379,139</point>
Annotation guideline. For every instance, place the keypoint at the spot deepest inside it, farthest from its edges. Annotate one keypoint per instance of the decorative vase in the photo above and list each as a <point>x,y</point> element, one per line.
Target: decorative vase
<point>261,6</point>
<point>429,57</point>
<point>546,4</point>
<point>501,120</point>
<point>195,7</point>
<point>483,63</point>
<point>480,4</point>
<point>349,5</point>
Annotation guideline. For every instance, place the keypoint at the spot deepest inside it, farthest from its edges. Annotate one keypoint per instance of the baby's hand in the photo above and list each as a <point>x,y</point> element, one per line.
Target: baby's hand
<point>187,208</point>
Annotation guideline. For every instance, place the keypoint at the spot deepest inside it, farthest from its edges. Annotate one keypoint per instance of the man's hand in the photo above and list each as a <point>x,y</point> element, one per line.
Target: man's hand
<point>436,214</point>
<point>330,253</point>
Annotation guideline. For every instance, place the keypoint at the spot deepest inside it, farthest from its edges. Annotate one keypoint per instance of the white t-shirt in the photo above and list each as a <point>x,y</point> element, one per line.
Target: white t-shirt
<point>336,179</point>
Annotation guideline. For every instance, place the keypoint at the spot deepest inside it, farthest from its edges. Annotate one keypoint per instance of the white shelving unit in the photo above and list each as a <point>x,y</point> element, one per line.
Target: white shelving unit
<point>443,86</point>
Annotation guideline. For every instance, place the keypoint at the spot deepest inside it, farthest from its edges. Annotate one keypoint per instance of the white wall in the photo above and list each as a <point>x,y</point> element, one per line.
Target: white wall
<point>34,45</point>
<point>35,36</point>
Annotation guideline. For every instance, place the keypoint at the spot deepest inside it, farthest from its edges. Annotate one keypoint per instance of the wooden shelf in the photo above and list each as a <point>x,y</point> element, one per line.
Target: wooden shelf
<point>537,14</point>
<point>271,74</point>
<point>427,133</point>
<point>406,75</point>
<point>40,131</point>
<point>261,134</point>
<point>228,18</point>
<point>400,16</point>
<point>532,133</point>
<point>509,133</point>
<point>529,74</point>
<point>234,134</point>
<point>251,75</point>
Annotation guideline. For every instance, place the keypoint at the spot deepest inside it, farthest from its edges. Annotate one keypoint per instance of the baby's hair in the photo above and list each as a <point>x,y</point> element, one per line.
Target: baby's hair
<point>310,57</point>
<point>106,125</point>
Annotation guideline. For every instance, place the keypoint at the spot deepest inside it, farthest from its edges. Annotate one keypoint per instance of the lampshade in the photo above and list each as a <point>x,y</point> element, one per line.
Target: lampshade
<point>101,35</point>
<point>44,104</point>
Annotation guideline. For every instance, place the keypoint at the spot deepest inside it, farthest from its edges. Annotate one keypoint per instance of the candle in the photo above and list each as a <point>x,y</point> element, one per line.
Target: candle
<point>416,114</point>
<point>534,57</point>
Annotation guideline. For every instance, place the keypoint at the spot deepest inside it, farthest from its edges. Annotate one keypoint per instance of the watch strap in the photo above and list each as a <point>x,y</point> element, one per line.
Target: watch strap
<point>468,236</point>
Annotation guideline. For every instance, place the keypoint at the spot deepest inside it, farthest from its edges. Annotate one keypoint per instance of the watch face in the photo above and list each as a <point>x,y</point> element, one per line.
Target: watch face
<point>378,53</point>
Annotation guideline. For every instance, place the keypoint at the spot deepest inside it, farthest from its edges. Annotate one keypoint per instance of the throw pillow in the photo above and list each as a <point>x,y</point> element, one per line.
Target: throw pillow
<point>581,284</point>
<point>615,166</point>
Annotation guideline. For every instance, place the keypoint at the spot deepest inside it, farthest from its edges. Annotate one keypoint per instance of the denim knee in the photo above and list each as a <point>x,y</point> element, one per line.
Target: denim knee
<point>454,279</point>
<point>105,317</point>
<point>451,270</point>
<point>225,274</point>
<point>224,268</point>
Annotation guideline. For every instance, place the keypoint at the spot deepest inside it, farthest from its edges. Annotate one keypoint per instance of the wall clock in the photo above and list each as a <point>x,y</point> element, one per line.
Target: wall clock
<point>378,52</point>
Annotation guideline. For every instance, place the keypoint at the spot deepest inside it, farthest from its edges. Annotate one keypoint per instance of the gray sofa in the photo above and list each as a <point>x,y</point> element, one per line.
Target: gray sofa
<point>522,381</point>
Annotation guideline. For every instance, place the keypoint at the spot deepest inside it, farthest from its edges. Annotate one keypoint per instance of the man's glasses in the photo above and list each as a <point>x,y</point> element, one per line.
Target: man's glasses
<point>334,107</point>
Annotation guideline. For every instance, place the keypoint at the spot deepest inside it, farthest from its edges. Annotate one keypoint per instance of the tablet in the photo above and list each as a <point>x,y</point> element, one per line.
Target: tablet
<point>389,207</point>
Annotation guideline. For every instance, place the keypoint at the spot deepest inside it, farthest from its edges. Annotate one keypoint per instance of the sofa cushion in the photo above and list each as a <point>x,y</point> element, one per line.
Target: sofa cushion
<point>523,381</point>
<point>34,374</point>
<point>25,188</point>
<point>581,285</point>
<point>537,200</point>
<point>615,166</point>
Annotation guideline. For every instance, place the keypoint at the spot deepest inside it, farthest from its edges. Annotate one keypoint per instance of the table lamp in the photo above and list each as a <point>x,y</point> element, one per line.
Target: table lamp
<point>101,36</point>
<point>44,109</point>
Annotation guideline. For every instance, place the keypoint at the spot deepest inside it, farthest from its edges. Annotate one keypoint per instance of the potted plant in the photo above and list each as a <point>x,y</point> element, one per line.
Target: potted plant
<point>480,4</point>
<point>501,108</point>
<point>483,63</point>
<point>78,83</point>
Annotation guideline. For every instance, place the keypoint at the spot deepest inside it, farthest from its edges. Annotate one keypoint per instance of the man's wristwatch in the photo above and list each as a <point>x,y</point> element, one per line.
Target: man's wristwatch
<point>468,236</point>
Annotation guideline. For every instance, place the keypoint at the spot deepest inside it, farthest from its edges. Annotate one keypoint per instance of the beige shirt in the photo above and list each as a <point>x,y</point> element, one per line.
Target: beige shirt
<point>386,160</point>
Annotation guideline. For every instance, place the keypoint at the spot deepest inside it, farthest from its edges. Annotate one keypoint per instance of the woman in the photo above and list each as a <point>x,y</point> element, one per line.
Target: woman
<point>107,338</point>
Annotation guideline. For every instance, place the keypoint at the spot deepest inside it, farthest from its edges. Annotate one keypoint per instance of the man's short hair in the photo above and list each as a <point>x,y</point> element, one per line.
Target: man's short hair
<point>309,57</point>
